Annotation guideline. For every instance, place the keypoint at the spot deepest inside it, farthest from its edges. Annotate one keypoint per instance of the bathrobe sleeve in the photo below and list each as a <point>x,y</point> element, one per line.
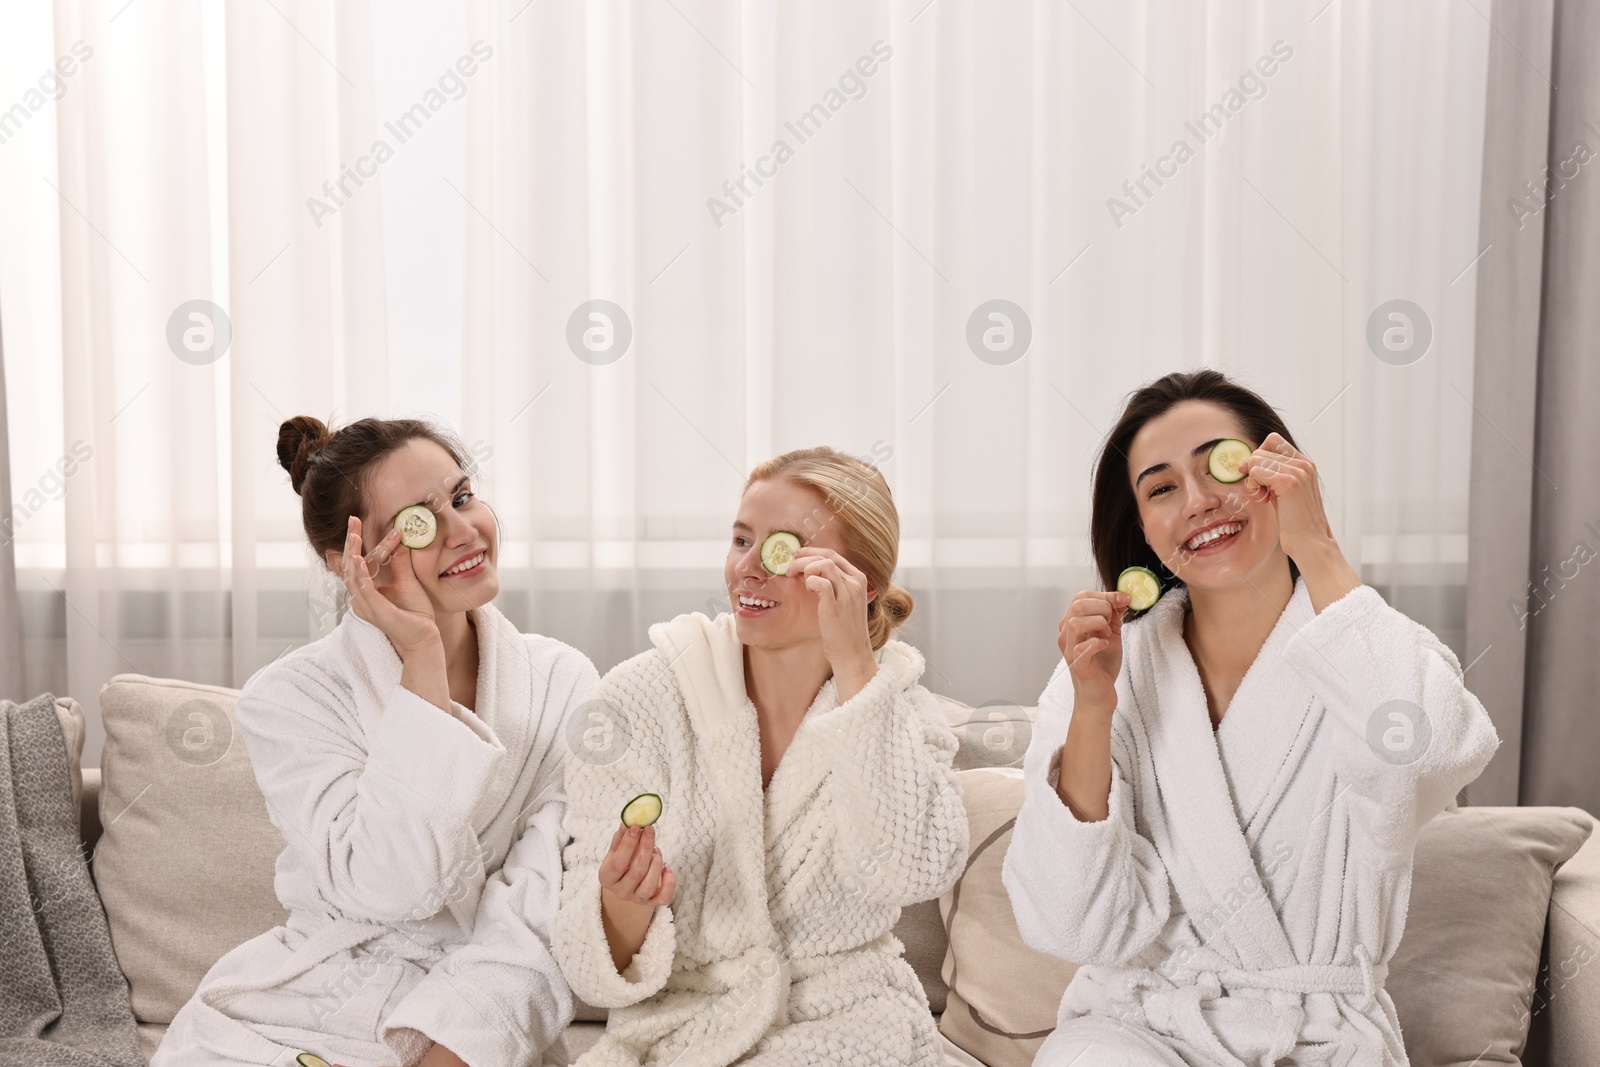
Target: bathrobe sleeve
<point>635,699</point>
<point>499,999</point>
<point>1087,892</point>
<point>899,823</point>
<point>1407,734</point>
<point>377,820</point>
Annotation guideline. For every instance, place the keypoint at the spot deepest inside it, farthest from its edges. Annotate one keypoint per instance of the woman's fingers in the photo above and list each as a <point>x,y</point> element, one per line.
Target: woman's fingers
<point>639,848</point>
<point>669,887</point>
<point>1082,661</point>
<point>650,884</point>
<point>614,868</point>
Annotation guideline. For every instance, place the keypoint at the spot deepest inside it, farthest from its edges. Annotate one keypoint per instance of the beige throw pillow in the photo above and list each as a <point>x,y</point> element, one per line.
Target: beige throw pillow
<point>1462,979</point>
<point>989,1013</point>
<point>185,862</point>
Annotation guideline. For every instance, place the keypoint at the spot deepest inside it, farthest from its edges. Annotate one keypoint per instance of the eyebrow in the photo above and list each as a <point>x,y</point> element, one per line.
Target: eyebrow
<point>738,525</point>
<point>1159,467</point>
<point>464,480</point>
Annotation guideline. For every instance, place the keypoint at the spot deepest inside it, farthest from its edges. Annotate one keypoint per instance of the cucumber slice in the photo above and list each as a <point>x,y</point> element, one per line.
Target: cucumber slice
<point>777,550</point>
<point>417,526</point>
<point>642,810</point>
<point>1226,455</point>
<point>310,1059</point>
<point>1141,585</point>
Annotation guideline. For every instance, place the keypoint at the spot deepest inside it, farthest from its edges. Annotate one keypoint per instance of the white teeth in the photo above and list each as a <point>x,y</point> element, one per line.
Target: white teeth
<point>1202,539</point>
<point>467,565</point>
<point>755,602</point>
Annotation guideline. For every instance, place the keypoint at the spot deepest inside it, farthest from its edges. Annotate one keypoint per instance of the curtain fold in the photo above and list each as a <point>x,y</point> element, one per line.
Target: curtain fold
<point>1509,282</point>
<point>1532,612</point>
<point>13,682</point>
<point>1562,732</point>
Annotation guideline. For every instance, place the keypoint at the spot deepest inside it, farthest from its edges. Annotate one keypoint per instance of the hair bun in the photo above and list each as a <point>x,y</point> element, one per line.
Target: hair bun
<point>299,440</point>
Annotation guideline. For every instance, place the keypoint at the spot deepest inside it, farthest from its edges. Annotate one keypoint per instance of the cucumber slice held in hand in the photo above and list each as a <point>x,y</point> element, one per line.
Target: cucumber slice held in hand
<point>1226,455</point>
<point>1141,585</point>
<point>311,1059</point>
<point>642,810</point>
<point>417,526</point>
<point>777,550</point>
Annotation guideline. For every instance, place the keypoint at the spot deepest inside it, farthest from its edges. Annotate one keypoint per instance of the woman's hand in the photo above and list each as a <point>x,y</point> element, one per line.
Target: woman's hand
<point>1280,474</point>
<point>399,607</point>
<point>634,871</point>
<point>634,881</point>
<point>1091,642</point>
<point>842,593</point>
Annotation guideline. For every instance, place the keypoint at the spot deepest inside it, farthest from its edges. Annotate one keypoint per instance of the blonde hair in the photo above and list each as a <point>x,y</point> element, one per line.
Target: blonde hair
<point>858,499</point>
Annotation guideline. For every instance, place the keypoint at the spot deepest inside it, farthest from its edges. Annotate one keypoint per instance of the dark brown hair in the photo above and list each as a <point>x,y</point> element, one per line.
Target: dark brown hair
<point>1115,536</point>
<point>329,469</point>
<point>869,525</point>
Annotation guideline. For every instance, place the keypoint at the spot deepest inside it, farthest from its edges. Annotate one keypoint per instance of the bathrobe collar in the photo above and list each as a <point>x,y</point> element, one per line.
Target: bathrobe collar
<point>1269,718</point>
<point>506,690</point>
<point>708,659</point>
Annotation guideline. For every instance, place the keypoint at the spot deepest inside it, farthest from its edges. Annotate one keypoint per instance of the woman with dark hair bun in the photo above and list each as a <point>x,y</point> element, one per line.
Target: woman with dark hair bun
<point>1223,791</point>
<point>414,761</point>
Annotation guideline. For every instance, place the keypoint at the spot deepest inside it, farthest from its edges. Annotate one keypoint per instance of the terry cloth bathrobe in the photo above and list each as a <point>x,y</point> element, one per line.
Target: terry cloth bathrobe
<point>777,948</point>
<point>422,865</point>
<point>1242,900</point>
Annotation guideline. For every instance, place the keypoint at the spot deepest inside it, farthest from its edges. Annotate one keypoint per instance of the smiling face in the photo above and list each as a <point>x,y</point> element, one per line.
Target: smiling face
<point>420,472</point>
<point>787,612</point>
<point>1209,534</point>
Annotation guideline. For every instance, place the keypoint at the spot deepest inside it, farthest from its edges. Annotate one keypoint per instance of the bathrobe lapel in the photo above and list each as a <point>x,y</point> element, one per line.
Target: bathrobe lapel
<point>800,774</point>
<point>707,660</point>
<point>1221,887</point>
<point>503,701</point>
<point>1269,722</point>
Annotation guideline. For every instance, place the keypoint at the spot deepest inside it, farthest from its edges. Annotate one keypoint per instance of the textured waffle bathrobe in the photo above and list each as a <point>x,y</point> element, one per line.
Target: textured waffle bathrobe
<point>422,866</point>
<point>1242,900</point>
<point>777,948</point>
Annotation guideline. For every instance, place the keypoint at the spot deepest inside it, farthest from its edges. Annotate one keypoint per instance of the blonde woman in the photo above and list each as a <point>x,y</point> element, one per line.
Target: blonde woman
<point>807,795</point>
<point>413,761</point>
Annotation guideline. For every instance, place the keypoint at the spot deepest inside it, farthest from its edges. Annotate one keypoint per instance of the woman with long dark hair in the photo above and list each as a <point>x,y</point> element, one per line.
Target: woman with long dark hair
<point>413,761</point>
<point>1223,794</point>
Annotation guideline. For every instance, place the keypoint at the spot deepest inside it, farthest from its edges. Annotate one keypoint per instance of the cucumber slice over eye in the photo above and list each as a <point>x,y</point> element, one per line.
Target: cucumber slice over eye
<point>777,550</point>
<point>1141,585</point>
<point>642,810</point>
<point>1225,458</point>
<point>417,526</point>
<point>310,1059</point>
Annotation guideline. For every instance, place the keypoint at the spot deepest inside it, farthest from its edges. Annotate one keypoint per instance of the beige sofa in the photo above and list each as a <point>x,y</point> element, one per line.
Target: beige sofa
<point>183,856</point>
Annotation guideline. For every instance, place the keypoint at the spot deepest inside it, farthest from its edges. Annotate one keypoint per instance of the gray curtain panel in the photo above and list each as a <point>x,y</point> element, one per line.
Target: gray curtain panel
<point>11,680</point>
<point>1562,734</point>
<point>1533,572</point>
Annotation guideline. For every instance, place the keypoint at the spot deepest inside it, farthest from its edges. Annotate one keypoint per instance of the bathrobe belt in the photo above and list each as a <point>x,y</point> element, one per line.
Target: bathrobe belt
<point>326,941</point>
<point>1177,1001</point>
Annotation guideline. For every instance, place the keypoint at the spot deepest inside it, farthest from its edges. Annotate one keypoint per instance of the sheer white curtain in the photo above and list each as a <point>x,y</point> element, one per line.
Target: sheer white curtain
<point>538,156</point>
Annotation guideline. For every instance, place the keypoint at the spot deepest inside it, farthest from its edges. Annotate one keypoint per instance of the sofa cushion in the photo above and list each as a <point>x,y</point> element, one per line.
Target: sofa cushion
<point>990,1013</point>
<point>995,734</point>
<point>185,861</point>
<point>1464,973</point>
<point>70,715</point>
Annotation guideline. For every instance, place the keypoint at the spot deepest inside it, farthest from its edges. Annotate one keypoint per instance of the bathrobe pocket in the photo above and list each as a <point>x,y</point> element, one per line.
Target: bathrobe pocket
<point>343,998</point>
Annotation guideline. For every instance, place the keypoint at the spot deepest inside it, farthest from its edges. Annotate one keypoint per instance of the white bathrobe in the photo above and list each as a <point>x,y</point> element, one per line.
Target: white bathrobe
<point>777,948</point>
<point>422,865</point>
<point>1242,900</point>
